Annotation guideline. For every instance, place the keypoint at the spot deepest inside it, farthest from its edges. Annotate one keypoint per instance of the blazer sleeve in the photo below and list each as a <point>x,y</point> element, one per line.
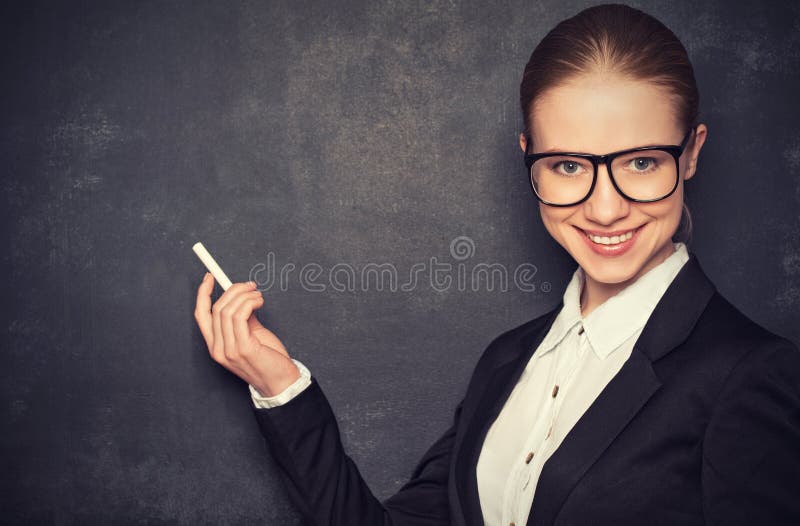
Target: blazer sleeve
<point>751,450</point>
<point>287,394</point>
<point>323,481</point>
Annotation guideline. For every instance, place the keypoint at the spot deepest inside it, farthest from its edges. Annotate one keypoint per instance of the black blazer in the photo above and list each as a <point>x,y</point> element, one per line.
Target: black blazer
<point>700,426</point>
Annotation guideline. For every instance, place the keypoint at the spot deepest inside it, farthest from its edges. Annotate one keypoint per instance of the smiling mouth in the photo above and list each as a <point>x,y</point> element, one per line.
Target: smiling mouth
<point>610,240</point>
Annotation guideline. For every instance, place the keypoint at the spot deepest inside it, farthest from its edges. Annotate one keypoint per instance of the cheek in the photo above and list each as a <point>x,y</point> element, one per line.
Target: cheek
<point>675,205</point>
<point>546,213</point>
<point>553,218</point>
<point>667,211</point>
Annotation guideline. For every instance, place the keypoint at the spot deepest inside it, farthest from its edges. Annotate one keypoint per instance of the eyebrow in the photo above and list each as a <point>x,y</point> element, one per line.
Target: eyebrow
<point>553,150</point>
<point>557,150</point>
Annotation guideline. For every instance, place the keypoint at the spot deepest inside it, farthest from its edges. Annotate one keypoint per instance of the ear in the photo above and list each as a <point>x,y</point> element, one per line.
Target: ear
<point>700,135</point>
<point>523,143</point>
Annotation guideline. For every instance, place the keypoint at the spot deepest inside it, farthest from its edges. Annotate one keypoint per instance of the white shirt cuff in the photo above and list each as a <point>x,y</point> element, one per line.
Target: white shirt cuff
<point>265,402</point>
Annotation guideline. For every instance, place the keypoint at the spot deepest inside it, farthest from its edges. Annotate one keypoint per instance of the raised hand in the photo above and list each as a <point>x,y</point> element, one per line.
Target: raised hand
<point>239,342</point>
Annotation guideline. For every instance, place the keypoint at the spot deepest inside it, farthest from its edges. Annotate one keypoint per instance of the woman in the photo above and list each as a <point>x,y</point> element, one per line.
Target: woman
<point>643,397</point>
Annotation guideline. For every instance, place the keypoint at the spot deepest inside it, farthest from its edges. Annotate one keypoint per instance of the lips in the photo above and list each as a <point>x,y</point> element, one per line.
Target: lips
<point>609,239</point>
<point>612,243</point>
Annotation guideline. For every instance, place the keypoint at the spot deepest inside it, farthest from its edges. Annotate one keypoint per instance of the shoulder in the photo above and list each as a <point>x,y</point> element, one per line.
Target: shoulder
<point>732,331</point>
<point>742,359</point>
<point>717,319</point>
<point>750,446</point>
<point>755,416</point>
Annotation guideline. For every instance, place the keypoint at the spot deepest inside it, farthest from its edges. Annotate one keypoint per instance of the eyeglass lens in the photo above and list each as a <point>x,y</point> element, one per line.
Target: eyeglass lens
<point>643,175</point>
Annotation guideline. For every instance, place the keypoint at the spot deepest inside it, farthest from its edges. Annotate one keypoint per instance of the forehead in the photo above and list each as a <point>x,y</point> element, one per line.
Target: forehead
<point>600,113</point>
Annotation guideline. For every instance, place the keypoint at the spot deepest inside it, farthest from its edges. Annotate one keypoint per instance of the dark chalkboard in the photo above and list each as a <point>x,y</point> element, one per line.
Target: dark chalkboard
<point>312,135</point>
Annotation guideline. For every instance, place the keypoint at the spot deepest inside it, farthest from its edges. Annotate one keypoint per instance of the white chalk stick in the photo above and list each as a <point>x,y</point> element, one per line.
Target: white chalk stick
<point>211,265</point>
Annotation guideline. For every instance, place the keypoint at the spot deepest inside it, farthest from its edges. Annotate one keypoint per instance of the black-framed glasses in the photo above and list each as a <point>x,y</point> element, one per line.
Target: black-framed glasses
<point>642,175</point>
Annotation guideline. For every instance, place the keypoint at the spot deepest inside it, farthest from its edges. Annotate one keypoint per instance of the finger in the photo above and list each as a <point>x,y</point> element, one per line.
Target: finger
<point>253,322</point>
<point>229,316</point>
<point>265,336</point>
<point>225,347</point>
<point>218,352</point>
<point>202,309</point>
<point>241,326</point>
<point>233,291</point>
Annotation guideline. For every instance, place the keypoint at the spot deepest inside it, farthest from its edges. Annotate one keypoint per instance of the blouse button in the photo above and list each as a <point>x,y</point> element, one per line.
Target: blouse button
<point>580,331</point>
<point>529,458</point>
<point>555,391</point>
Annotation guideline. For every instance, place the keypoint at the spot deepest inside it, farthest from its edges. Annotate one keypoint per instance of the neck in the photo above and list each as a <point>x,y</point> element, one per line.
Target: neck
<point>595,293</point>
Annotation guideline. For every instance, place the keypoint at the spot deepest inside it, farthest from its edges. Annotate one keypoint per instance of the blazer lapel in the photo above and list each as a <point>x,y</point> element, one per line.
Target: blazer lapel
<point>595,430</point>
<point>501,379</point>
<point>670,324</point>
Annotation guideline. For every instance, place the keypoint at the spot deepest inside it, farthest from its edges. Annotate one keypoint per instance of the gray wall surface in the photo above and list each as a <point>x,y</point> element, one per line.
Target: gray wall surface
<point>304,133</point>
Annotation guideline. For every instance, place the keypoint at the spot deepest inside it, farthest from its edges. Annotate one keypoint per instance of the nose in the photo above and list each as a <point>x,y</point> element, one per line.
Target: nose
<point>605,206</point>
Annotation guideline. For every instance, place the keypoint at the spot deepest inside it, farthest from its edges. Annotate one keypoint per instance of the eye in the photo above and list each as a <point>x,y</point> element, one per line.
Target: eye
<point>643,164</point>
<point>568,167</point>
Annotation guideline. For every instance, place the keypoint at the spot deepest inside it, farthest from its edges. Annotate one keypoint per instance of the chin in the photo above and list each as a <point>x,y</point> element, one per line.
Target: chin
<point>610,274</point>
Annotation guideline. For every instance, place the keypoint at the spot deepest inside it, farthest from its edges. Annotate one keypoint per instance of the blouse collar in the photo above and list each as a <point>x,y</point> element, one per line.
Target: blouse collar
<point>614,321</point>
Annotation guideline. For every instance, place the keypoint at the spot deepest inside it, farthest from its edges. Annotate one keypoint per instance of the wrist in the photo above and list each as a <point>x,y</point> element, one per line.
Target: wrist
<point>281,382</point>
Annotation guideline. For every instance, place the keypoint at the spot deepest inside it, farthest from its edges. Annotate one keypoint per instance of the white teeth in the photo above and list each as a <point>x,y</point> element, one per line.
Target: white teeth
<point>613,240</point>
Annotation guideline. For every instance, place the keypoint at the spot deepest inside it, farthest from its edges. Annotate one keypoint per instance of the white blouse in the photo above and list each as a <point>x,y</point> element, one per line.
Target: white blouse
<point>569,369</point>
